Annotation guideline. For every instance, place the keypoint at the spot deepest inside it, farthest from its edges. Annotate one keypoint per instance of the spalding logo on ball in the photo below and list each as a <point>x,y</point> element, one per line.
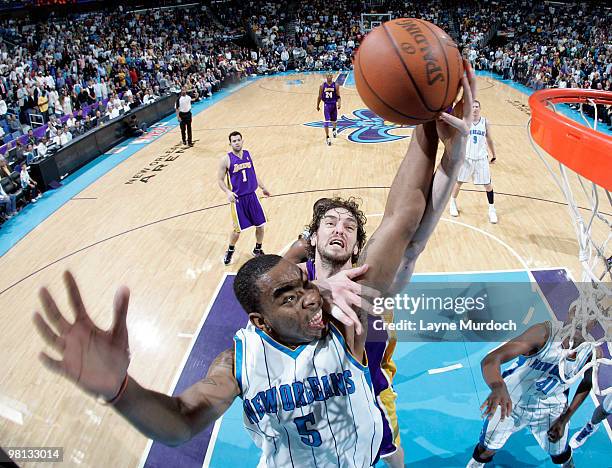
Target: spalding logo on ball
<point>408,70</point>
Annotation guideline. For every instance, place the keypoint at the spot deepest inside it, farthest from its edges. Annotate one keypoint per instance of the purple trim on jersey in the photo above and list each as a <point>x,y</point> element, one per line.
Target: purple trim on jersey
<point>249,211</point>
<point>375,349</point>
<point>310,270</point>
<point>241,173</point>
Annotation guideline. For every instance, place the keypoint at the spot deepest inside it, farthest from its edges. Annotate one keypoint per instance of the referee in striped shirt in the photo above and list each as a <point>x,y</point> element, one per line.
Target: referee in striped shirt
<point>183,112</point>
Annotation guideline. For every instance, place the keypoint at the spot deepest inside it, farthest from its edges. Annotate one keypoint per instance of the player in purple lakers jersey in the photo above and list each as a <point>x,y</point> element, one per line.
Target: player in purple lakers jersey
<point>329,93</point>
<point>236,177</point>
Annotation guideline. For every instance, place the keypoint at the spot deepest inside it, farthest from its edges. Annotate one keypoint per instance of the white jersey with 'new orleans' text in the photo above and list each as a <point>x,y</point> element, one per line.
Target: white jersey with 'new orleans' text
<point>309,406</point>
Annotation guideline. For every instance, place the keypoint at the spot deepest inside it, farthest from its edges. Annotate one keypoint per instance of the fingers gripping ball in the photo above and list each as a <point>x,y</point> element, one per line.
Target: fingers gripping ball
<point>408,70</point>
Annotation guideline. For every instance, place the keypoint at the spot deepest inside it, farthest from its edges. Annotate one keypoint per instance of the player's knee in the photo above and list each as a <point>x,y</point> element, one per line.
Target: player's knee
<point>562,458</point>
<point>482,454</point>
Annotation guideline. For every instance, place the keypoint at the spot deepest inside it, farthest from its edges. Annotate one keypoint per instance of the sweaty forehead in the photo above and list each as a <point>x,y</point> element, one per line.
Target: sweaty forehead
<point>340,214</point>
<point>283,273</point>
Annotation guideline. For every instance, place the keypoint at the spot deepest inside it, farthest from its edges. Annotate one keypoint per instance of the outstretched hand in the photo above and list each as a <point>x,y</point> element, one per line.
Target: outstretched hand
<point>345,294</point>
<point>95,359</point>
<point>459,122</point>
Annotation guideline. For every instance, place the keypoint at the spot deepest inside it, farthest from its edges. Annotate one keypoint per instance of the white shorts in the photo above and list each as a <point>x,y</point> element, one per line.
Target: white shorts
<point>496,432</point>
<point>478,169</point>
<point>607,404</point>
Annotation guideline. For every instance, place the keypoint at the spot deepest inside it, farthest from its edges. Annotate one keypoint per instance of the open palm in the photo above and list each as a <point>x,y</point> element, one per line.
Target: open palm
<point>95,359</point>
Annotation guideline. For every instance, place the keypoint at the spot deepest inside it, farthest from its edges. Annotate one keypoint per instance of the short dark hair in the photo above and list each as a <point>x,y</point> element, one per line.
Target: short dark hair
<point>351,204</point>
<point>234,133</point>
<point>245,284</point>
<point>476,101</point>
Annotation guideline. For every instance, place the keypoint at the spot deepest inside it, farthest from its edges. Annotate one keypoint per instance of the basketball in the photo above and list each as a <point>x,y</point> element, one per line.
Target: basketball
<point>408,70</point>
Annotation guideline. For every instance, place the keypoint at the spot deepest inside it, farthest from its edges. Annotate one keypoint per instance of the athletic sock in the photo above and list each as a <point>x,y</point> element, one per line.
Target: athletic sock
<point>490,196</point>
<point>231,248</point>
<point>257,246</point>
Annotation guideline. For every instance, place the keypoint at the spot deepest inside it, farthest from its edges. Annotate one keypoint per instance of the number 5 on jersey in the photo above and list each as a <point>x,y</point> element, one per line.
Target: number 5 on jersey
<point>310,437</point>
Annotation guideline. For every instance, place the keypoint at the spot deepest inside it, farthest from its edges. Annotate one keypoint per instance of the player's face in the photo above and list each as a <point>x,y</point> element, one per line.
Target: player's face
<point>292,306</point>
<point>330,77</point>
<point>476,110</point>
<point>336,238</point>
<point>236,143</point>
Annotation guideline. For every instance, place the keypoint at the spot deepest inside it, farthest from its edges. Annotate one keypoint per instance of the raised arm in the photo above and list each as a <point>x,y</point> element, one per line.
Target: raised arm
<point>408,198</point>
<point>530,342</point>
<point>444,180</point>
<point>97,361</point>
<point>221,173</point>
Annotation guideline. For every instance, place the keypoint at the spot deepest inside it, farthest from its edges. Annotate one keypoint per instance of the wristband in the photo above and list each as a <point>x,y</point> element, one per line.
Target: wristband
<point>121,391</point>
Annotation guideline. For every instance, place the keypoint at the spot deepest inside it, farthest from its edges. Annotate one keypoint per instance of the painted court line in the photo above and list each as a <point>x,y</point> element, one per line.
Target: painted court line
<point>441,370</point>
<point>212,442</point>
<point>180,367</point>
<point>529,315</point>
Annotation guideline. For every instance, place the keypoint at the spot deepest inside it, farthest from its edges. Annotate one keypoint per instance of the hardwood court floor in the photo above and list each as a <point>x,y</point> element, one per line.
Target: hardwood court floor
<point>165,238</point>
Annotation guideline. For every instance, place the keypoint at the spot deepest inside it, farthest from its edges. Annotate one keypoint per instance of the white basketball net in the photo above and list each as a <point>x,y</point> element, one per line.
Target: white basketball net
<point>594,231</point>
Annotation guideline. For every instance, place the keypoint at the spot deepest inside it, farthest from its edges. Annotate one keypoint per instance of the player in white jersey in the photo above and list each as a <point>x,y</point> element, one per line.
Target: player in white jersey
<point>530,393</point>
<point>476,164</point>
<point>599,414</point>
<point>299,415</point>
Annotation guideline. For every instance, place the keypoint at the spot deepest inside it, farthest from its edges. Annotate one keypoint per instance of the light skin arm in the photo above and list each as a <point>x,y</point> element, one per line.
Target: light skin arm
<point>443,183</point>
<point>260,184</point>
<point>490,141</point>
<point>221,173</point>
<point>528,343</point>
<point>405,207</point>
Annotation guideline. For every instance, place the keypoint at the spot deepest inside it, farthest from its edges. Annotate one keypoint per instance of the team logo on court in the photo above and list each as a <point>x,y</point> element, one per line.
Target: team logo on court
<point>366,127</point>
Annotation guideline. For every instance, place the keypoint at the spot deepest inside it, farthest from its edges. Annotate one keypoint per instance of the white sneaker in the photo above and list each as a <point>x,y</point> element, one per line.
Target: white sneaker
<point>583,434</point>
<point>492,215</point>
<point>453,208</point>
<point>328,141</point>
<point>334,133</point>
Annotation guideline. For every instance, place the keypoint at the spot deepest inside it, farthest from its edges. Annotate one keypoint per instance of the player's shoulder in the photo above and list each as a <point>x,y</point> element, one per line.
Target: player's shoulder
<point>538,336</point>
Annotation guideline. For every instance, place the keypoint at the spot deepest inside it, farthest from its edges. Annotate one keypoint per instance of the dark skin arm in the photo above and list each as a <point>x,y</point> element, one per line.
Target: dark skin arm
<point>530,342</point>
<point>582,392</point>
<point>96,361</point>
<point>297,253</point>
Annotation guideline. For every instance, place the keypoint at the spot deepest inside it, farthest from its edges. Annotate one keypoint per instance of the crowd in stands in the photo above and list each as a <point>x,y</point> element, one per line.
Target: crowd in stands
<point>552,46</point>
<point>66,76</point>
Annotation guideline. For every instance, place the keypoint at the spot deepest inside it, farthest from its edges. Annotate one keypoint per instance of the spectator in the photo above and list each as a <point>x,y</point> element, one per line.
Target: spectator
<point>29,186</point>
<point>42,148</point>
<point>4,169</point>
<point>9,202</point>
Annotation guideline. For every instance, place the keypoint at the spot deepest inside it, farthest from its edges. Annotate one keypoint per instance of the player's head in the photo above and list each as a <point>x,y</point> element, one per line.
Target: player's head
<point>280,300</point>
<point>235,140</point>
<point>337,230</point>
<point>476,109</point>
<point>329,76</point>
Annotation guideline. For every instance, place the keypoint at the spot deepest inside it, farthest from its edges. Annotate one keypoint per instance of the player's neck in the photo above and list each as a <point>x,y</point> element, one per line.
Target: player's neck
<point>239,153</point>
<point>326,269</point>
<point>476,122</point>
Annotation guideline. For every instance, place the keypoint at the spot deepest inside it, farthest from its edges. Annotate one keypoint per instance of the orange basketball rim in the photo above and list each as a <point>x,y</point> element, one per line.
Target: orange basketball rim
<point>584,150</point>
